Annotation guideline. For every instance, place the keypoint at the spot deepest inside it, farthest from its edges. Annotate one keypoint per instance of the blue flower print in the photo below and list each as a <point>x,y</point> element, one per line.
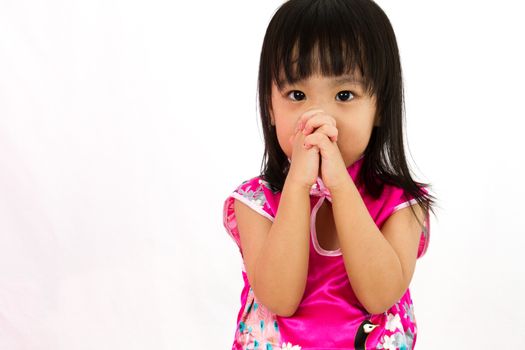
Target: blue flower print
<point>409,310</point>
<point>256,196</point>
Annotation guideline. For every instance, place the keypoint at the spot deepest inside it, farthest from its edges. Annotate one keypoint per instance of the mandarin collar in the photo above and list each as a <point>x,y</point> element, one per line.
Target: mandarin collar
<point>320,190</point>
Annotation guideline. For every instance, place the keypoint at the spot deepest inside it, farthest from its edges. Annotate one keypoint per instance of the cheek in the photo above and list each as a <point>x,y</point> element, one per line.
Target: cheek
<point>284,131</point>
<point>351,136</point>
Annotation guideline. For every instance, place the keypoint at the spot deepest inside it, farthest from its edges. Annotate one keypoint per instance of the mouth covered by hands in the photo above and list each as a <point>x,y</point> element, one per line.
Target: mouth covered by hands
<point>320,134</point>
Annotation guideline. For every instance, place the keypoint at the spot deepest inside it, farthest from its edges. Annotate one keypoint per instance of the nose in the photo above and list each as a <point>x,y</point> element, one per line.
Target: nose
<point>319,102</point>
<point>324,107</point>
<point>316,105</point>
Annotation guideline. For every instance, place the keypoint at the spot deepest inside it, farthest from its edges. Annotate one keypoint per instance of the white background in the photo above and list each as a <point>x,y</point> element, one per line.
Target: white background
<point>124,125</point>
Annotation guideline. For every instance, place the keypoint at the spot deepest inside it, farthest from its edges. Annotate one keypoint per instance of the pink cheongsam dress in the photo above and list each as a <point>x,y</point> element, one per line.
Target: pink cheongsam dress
<point>329,315</point>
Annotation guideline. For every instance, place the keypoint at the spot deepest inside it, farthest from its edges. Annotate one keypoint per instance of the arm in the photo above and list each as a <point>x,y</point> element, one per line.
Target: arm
<point>380,264</point>
<point>277,259</point>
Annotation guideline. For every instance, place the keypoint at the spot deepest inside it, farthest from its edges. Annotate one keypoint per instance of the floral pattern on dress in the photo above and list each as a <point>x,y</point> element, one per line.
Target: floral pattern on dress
<point>400,327</point>
<point>289,346</point>
<point>255,196</point>
<point>258,328</point>
<point>252,191</point>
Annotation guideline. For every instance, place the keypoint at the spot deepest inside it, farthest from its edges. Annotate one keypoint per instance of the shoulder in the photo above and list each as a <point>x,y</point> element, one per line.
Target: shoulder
<point>394,199</point>
<point>256,194</point>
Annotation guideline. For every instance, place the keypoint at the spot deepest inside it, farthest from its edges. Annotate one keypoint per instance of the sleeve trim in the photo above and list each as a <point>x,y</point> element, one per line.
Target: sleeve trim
<point>255,207</point>
<point>229,220</point>
<point>404,205</point>
<point>424,240</point>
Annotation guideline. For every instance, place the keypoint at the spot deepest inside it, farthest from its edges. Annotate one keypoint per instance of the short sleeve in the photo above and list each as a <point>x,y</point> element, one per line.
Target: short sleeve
<point>252,193</point>
<point>399,201</point>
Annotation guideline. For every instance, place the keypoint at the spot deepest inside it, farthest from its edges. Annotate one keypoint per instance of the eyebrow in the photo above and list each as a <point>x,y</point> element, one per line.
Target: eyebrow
<point>338,81</point>
<point>347,79</point>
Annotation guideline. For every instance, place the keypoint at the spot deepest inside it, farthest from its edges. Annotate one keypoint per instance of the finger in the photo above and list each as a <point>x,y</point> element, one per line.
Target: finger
<point>305,116</point>
<point>317,121</point>
<point>296,139</point>
<point>319,141</point>
<point>328,130</point>
<point>293,136</point>
<point>314,140</point>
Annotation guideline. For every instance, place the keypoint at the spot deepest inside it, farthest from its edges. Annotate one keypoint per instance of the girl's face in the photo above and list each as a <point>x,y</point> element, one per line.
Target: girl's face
<point>342,97</point>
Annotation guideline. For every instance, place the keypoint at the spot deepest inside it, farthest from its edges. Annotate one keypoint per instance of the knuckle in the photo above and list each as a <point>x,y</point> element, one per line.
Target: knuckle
<point>312,138</point>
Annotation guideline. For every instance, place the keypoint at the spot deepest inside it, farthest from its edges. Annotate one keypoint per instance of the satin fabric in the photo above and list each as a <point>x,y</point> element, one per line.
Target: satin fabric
<point>329,312</point>
<point>329,315</point>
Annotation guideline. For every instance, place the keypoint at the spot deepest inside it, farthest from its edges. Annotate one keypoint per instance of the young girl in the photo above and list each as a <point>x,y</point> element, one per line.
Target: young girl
<point>330,231</point>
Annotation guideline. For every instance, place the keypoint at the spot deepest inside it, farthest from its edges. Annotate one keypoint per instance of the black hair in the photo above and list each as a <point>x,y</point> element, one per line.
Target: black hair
<point>347,35</point>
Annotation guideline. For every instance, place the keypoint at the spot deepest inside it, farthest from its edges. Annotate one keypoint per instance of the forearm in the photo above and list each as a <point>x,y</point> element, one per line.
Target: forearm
<point>282,265</point>
<point>373,267</point>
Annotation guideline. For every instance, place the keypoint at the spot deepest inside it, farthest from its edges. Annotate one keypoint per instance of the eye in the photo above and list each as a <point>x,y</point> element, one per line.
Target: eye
<point>345,94</point>
<point>295,93</point>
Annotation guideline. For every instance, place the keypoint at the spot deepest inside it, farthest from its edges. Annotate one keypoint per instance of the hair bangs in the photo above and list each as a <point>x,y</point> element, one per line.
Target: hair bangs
<point>321,40</point>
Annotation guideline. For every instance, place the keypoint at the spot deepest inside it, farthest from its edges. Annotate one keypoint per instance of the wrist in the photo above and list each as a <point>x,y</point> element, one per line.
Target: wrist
<point>297,186</point>
<point>341,186</point>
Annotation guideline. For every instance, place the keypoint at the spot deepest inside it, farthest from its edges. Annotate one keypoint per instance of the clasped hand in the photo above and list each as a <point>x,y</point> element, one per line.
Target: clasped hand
<point>315,151</point>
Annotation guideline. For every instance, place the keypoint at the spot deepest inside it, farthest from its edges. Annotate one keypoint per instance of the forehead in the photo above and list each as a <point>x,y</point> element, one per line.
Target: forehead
<point>353,75</point>
<point>353,78</point>
<point>335,80</point>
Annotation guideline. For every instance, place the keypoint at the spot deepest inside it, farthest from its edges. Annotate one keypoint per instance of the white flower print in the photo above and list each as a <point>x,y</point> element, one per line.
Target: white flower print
<point>265,183</point>
<point>389,343</point>
<point>400,342</point>
<point>393,322</point>
<point>256,196</point>
<point>396,341</point>
<point>289,346</point>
